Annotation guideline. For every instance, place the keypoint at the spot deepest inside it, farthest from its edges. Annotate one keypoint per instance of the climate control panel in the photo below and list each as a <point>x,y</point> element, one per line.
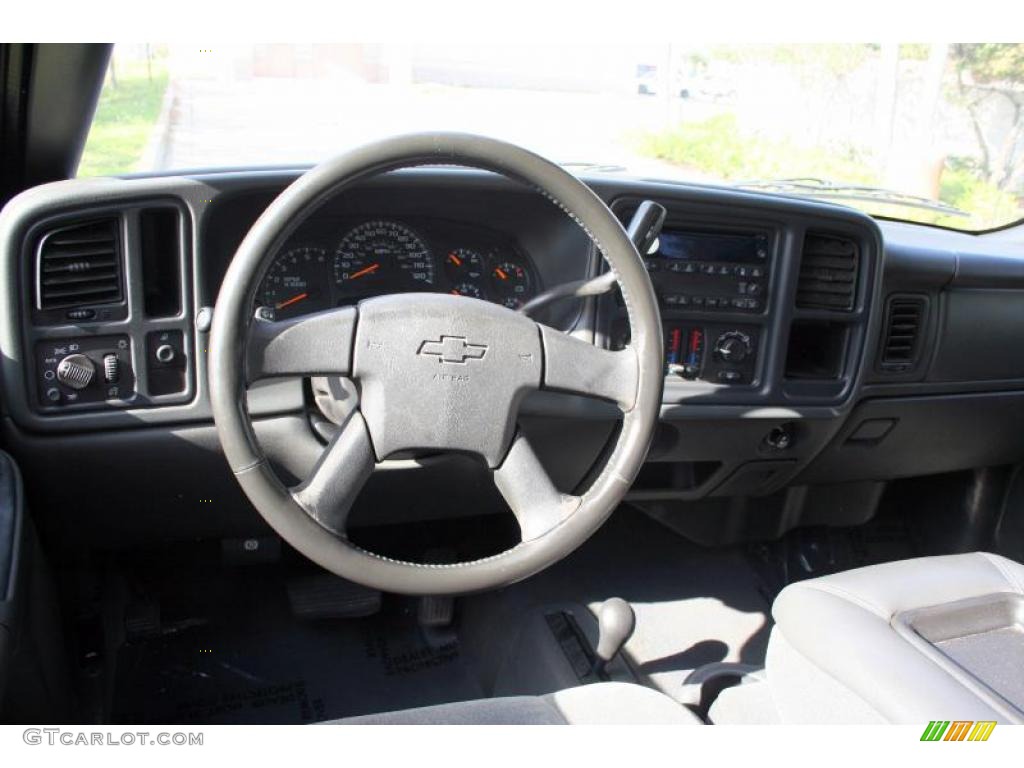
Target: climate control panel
<point>710,352</point>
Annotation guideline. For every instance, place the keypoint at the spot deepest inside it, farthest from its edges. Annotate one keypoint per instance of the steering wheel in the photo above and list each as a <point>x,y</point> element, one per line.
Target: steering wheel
<point>435,372</point>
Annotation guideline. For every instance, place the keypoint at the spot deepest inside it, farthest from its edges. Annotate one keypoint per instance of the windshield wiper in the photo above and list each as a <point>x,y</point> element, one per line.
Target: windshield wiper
<point>824,188</point>
<point>585,166</point>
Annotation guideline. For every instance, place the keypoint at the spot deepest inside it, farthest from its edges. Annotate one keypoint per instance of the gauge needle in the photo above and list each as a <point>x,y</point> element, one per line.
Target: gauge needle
<point>292,300</point>
<point>454,259</point>
<point>501,273</point>
<point>365,271</point>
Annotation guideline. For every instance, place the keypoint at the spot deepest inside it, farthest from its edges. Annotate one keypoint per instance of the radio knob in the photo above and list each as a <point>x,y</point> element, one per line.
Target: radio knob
<point>76,371</point>
<point>733,346</point>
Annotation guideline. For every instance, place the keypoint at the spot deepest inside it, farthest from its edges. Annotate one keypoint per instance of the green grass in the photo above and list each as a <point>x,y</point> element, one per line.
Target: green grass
<point>717,146</point>
<point>124,120</point>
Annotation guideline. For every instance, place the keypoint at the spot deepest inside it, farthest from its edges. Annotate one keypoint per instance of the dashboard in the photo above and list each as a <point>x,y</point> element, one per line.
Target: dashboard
<point>810,351</point>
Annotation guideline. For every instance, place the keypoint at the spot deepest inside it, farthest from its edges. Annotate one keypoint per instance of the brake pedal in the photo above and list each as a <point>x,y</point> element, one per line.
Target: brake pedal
<point>435,611</point>
<point>325,596</point>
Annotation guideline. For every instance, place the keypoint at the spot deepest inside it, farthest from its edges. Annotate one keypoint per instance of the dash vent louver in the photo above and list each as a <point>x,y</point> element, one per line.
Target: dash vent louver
<point>80,265</point>
<point>828,273</point>
<point>904,320</point>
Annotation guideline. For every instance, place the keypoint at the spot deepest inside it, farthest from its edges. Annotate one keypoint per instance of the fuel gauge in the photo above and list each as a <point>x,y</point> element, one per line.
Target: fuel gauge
<point>472,290</point>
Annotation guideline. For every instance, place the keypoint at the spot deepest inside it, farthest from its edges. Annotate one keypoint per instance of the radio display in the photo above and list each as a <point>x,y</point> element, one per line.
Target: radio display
<point>708,246</point>
<point>711,271</point>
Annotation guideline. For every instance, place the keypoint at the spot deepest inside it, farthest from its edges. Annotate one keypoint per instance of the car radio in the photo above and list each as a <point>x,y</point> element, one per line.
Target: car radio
<point>711,270</point>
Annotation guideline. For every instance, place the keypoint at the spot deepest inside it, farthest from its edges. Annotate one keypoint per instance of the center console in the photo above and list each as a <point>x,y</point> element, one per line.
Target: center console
<point>714,272</point>
<point>713,286</point>
<point>756,309</point>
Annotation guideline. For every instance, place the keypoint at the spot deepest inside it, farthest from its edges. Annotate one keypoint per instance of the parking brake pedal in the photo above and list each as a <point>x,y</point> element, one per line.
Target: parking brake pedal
<point>142,619</point>
<point>326,596</point>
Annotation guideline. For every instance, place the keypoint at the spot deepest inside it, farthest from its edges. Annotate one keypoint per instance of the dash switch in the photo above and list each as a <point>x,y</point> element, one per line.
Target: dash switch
<point>111,368</point>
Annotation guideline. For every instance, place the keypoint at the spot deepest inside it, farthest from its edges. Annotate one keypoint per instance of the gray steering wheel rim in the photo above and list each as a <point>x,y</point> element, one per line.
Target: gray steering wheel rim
<point>233,315</point>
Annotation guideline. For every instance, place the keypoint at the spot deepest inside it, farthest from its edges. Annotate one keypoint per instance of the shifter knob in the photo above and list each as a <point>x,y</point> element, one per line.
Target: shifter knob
<point>616,622</point>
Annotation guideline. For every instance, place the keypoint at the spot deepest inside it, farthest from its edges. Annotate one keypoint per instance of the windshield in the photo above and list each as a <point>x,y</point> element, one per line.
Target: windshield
<point>930,133</point>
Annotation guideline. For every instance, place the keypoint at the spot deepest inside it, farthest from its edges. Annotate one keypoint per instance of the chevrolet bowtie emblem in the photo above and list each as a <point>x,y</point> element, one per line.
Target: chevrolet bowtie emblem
<point>453,349</point>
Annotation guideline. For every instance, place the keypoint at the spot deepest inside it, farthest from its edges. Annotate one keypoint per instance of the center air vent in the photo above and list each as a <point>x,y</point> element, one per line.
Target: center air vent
<point>80,265</point>
<point>904,320</point>
<point>828,273</point>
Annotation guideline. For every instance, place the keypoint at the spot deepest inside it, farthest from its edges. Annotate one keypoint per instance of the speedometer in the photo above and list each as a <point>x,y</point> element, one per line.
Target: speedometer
<point>382,257</point>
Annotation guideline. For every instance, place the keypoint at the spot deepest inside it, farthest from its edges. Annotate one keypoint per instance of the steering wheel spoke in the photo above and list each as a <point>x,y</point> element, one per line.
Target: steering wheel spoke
<point>573,365</point>
<point>535,501</point>
<point>341,472</point>
<point>309,345</point>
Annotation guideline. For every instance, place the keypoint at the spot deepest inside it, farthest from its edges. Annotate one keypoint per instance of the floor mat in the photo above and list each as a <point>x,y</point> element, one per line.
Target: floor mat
<point>254,663</point>
<point>806,553</point>
<point>694,605</point>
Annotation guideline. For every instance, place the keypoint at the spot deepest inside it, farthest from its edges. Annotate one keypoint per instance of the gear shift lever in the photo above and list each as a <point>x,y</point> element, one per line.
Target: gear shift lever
<point>616,622</point>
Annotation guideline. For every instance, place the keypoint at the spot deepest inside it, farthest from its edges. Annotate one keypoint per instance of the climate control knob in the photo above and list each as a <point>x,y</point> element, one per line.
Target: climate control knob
<point>76,371</point>
<point>733,346</point>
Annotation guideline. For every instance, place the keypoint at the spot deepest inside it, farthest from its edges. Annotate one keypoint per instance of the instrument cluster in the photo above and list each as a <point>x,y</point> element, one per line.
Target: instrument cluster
<point>379,256</point>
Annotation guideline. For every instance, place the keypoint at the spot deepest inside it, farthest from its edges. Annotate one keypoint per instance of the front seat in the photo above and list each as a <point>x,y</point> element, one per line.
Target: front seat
<point>596,704</point>
<point>903,642</point>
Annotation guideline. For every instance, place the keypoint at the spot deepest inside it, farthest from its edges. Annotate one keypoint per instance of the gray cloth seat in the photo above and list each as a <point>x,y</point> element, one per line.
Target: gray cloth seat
<point>901,642</point>
<point>597,704</point>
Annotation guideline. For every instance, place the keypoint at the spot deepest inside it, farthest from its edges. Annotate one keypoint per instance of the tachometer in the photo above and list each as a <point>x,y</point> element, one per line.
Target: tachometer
<point>296,283</point>
<point>382,257</point>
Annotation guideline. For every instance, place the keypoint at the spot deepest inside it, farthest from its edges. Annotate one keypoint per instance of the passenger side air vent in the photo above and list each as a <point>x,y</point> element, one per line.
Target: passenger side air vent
<point>79,265</point>
<point>904,321</point>
<point>828,273</point>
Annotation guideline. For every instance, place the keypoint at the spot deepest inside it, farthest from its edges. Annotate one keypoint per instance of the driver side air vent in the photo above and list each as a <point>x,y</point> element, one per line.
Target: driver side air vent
<point>904,321</point>
<point>80,265</point>
<point>828,273</point>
